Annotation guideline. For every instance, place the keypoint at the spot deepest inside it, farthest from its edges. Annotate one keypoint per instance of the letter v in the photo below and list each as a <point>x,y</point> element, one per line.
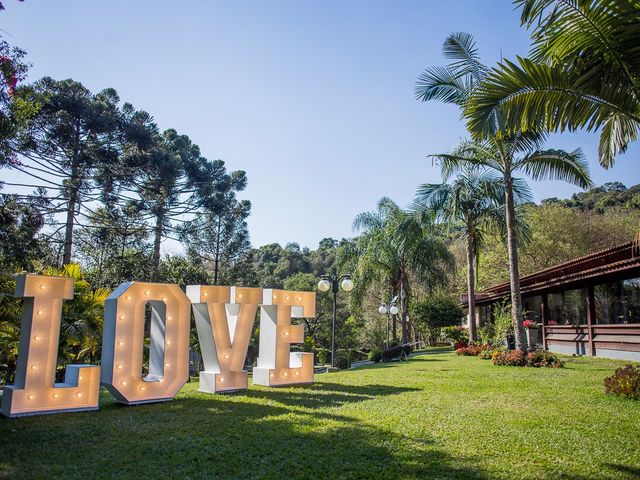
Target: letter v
<point>224,320</point>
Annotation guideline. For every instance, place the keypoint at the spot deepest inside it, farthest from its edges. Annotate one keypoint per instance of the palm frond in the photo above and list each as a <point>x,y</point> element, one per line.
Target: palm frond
<point>570,167</point>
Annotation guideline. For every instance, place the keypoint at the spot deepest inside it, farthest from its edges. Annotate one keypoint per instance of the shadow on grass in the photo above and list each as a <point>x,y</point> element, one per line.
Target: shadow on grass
<point>325,394</point>
<point>633,472</point>
<point>208,436</point>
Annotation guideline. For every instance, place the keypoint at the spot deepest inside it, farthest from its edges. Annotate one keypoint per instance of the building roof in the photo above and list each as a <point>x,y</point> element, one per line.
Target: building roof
<point>616,262</point>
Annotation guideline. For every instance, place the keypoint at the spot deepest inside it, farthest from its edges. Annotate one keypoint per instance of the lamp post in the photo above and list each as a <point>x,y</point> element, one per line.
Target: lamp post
<point>389,308</point>
<point>334,283</point>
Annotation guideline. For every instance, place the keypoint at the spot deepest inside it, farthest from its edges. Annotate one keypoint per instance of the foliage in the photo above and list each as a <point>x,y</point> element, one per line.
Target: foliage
<point>518,358</point>
<point>502,323</point>
<point>436,312</point>
<point>582,72</point>
<point>20,223</point>
<point>16,109</point>
<point>10,315</point>
<point>473,205</point>
<point>471,350</point>
<point>558,233</point>
<point>375,355</point>
<point>220,236</point>
<point>543,358</point>
<point>507,155</point>
<point>322,356</point>
<point>487,353</point>
<point>511,358</point>
<point>624,383</point>
<point>397,351</point>
<point>397,246</point>
<point>82,319</point>
<point>605,198</point>
<point>455,334</point>
<point>182,271</point>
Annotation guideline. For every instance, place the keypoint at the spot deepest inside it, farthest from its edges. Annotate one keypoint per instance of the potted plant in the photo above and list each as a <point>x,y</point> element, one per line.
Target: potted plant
<point>532,333</point>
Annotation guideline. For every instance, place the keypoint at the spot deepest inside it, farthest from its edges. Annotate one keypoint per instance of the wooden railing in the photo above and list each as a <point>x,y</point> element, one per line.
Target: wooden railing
<point>625,337</point>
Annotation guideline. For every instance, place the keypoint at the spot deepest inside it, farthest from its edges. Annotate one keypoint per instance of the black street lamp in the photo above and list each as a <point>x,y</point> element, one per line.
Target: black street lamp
<point>334,283</point>
<point>389,308</point>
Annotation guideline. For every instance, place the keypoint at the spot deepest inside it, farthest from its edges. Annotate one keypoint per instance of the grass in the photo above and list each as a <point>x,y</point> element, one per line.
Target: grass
<point>435,416</point>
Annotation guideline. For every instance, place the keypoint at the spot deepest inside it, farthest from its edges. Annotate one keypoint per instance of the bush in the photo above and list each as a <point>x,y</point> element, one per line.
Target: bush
<point>517,358</point>
<point>502,323</point>
<point>624,383</point>
<point>510,358</point>
<point>395,352</point>
<point>460,345</point>
<point>343,359</point>
<point>471,350</point>
<point>435,313</point>
<point>487,353</point>
<point>322,356</point>
<point>543,359</point>
<point>455,335</point>
<point>375,355</point>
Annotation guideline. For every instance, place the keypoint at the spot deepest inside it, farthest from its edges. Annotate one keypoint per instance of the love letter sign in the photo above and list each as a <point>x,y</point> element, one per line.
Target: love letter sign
<point>224,319</point>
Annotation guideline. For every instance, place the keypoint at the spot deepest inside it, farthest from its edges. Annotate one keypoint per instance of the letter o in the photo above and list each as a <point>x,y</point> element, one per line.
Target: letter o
<point>123,341</point>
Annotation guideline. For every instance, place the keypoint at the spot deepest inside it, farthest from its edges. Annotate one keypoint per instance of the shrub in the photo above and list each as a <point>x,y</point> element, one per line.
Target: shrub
<point>624,383</point>
<point>487,353</point>
<point>455,335</point>
<point>435,313</point>
<point>395,352</point>
<point>471,350</point>
<point>458,345</point>
<point>511,358</point>
<point>322,356</point>
<point>375,355</point>
<point>543,359</point>
<point>343,359</point>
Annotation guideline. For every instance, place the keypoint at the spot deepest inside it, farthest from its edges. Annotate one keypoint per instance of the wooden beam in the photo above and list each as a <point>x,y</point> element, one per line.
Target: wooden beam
<point>544,314</point>
<point>591,316</point>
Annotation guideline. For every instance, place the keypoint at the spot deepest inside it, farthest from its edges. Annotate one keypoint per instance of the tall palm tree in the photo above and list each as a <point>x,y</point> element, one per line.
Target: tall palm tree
<point>395,245</point>
<point>473,205</point>
<point>583,72</point>
<point>503,153</point>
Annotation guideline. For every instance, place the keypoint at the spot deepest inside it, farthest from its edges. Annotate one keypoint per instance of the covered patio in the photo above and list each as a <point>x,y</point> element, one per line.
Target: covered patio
<point>588,306</point>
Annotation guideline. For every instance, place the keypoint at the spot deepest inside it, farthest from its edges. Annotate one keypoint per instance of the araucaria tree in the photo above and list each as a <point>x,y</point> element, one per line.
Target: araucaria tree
<point>170,183</point>
<point>506,153</point>
<point>71,147</point>
<point>219,234</point>
<point>472,206</point>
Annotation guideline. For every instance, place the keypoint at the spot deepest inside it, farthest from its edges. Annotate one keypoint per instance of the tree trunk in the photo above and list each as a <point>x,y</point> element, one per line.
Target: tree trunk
<point>394,318</point>
<point>74,183</point>
<point>156,247</point>
<point>471,288</point>
<point>68,229</point>
<point>216,264</point>
<point>404,306</point>
<point>514,273</point>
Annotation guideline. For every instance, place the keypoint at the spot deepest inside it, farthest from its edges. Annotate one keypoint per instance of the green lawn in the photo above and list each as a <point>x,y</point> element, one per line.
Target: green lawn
<point>436,416</point>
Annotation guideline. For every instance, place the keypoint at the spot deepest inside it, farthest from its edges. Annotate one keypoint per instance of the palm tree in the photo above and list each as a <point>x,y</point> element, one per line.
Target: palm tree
<point>82,318</point>
<point>473,205</point>
<point>503,153</point>
<point>583,72</point>
<point>396,245</point>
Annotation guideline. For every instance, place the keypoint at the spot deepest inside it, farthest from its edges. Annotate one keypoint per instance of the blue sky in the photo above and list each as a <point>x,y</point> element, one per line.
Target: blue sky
<point>313,99</point>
